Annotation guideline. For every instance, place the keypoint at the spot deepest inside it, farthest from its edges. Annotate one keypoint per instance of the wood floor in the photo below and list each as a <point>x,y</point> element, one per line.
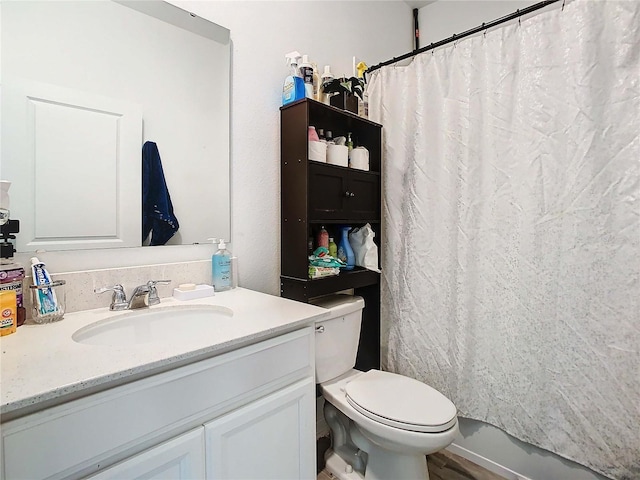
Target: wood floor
<point>447,466</point>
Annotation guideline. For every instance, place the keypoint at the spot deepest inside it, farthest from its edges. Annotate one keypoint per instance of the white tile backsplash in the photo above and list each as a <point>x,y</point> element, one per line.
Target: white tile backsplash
<point>80,285</point>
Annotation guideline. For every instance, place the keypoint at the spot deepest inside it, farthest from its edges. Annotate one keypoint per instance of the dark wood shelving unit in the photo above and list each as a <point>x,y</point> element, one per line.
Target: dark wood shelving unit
<point>313,194</point>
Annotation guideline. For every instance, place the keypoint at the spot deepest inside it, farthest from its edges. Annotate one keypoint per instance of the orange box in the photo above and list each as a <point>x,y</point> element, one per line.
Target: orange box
<point>8,312</point>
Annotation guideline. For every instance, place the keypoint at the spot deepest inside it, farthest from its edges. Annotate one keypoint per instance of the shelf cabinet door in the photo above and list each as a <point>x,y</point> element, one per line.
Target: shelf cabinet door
<point>271,439</point>
<point>343,194</point>
<point>327,192</point>
<point>180,458</point>
<point>363,200</point>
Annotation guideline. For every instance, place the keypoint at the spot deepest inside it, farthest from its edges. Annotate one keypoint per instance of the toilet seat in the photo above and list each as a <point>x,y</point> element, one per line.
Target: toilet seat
<point>400,402</point>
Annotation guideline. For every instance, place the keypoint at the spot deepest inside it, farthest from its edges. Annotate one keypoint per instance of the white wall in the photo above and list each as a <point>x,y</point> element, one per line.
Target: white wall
<point>261,33</point>
<point>440,20</point>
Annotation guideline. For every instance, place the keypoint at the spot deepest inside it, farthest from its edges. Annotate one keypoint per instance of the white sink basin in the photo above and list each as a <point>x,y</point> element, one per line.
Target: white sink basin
<point>156,325</point>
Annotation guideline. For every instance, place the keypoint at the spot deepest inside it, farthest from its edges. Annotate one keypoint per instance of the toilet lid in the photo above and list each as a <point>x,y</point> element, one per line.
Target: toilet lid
<point>400,402</point>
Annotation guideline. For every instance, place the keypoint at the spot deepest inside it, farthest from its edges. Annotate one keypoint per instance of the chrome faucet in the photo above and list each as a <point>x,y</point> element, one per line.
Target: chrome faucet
<point>142,296</point>
<point>139,297</point>
<point>154,299</point>
<point>118,299</point>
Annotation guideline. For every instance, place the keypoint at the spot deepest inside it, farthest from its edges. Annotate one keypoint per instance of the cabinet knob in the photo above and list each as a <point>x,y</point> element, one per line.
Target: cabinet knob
<point>349,194</point>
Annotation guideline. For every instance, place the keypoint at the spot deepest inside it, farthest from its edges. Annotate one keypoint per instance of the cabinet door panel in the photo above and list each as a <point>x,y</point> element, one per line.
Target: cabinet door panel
<point>181,458</point>
<point>363,202</point>
<point>327,189</point>
<point>270,439</point>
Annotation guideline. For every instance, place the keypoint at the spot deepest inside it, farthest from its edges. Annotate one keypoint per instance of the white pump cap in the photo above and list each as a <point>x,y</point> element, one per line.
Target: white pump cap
<point>305,60</point>
<point>327,72</point>
<point>222,245</point>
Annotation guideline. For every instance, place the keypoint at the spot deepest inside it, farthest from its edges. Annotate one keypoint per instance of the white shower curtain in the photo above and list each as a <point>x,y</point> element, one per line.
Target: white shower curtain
<point>511,257</point>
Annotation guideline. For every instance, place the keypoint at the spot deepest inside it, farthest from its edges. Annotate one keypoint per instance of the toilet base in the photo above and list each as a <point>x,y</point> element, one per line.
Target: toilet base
<point>379,467</point>
<point>340,469</point>
<point>383,465</point>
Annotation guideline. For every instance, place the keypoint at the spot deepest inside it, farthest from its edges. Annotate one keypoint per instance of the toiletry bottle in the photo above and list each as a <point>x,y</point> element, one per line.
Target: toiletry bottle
<point>293,85</point>
<point>11,279</point>
<point>321,135</point>
<point>8,312</point>
<point>316,82</point>
<point>4,201</point>
<point>312,134</point>
<point>333,248</point>
<point>306,72</point>
<point>349,145</point>
<point>329,137</point>
<point>363,104</point>
<point>221,268</point>
<point>323,238</point>
<point>326,76</point>
<point>345,252</point>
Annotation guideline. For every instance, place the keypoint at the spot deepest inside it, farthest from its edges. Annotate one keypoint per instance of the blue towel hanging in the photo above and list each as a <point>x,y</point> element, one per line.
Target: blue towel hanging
<point>157,209</point>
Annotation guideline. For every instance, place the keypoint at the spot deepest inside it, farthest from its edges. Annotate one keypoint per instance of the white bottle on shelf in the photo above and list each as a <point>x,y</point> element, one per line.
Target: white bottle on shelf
<point>306,71</point>
<point>325,77</point>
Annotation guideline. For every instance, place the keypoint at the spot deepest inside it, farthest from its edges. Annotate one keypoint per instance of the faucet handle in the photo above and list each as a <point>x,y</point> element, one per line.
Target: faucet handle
<point>118,299</point>
<point>154,299</point>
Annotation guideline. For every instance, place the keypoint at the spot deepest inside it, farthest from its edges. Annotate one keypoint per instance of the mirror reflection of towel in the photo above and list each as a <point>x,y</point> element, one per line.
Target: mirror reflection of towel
<point>157,209</point>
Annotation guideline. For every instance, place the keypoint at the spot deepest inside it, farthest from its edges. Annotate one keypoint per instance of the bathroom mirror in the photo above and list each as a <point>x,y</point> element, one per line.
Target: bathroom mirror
<point>84,85</point>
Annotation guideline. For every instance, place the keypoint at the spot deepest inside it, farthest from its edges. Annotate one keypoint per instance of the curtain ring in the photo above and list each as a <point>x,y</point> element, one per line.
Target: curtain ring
<point>562,10</point>
<point>484,34</point>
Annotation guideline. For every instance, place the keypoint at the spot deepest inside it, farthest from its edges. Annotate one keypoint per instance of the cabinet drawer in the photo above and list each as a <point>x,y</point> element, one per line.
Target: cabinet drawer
<point>83,435</point>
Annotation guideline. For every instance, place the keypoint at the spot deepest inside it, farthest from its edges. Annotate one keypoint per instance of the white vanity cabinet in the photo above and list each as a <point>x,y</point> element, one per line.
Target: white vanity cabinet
<point>248,413</point>
<point>180,458</point>
<point>277,427</point>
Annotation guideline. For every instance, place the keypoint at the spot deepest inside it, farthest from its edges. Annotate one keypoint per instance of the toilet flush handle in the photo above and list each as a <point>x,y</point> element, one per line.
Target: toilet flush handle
<point>320,329</point>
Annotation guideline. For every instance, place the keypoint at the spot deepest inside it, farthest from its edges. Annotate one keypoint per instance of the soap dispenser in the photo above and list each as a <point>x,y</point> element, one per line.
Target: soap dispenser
<point>221,268</point>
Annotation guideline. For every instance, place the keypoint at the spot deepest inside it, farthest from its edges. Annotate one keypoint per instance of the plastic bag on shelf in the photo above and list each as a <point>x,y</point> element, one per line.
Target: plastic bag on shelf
<point>364,248</point>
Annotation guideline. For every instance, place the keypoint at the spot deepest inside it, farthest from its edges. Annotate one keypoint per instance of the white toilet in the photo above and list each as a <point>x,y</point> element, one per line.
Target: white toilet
<point>382,424</point>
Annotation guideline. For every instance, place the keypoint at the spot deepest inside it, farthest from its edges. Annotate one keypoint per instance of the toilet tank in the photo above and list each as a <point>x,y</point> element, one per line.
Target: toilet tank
<point>337,337</point>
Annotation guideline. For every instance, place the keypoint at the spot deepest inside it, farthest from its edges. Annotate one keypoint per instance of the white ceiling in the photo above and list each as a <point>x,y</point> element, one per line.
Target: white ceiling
<point>418,3</point>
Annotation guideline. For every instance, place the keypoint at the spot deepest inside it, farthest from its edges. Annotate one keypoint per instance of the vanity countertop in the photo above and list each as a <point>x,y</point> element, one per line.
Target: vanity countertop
<point>41,365</point>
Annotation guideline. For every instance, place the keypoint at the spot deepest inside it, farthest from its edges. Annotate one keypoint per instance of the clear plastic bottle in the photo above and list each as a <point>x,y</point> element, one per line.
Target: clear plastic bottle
<point>221,268</point>
<point>293,88</point>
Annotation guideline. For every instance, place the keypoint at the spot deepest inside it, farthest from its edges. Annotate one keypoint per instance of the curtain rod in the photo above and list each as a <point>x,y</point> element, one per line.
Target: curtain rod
<point>517,14</point>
